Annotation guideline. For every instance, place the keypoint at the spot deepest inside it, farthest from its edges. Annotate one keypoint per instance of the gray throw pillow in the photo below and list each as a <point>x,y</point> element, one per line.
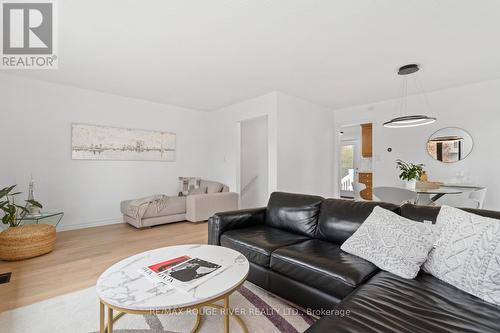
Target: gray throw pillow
<point>467,253</point>
<point>188,183</point>
<point>212,187</point>
<point>392,243</point>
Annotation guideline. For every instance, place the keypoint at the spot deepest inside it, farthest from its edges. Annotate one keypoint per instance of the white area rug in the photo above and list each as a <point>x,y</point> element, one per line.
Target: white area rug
<point>79,312</point>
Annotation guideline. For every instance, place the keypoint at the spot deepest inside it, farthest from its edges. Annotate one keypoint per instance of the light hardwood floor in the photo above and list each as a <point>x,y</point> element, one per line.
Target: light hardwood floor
<point>82,255</point>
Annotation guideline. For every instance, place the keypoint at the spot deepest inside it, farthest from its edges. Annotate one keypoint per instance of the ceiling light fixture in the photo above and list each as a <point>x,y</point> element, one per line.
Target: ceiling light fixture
<point>409,121</point>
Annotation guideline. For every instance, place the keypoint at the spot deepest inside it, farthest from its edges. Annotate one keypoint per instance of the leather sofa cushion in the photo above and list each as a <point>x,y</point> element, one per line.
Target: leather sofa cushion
<point>388,303</point>
<point>258,242</point>
<point>322,265</point>
<point>429,213</point>
<point>297,213</point>
<point>339,219</point>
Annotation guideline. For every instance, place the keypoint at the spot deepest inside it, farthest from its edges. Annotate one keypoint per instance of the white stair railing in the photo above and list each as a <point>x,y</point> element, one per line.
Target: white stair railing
<point>346,182</point>
<point>247,186</point>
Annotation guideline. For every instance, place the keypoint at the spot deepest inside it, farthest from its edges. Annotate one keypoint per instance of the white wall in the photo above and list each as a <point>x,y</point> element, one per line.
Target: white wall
<point>254,163</point>
<point>474,108</point>
<point>300,143</point>
<point>225,139</point>
<point>305,147</point>
<point>35,122</point>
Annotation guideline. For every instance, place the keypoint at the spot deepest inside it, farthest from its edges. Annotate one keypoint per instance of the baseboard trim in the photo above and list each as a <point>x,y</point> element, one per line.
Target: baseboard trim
<point>91,224</point>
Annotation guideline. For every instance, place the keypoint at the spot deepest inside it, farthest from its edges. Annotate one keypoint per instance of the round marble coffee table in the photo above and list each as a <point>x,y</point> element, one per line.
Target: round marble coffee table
<point>124,289</point>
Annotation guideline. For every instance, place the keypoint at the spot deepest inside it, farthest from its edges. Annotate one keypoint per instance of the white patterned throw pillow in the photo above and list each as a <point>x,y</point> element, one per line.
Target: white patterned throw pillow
<point>467,253</point>
<point>392,243</point>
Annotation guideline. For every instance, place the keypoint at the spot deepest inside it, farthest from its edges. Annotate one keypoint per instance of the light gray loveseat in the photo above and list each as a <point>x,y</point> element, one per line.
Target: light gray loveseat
<point>161,209</point>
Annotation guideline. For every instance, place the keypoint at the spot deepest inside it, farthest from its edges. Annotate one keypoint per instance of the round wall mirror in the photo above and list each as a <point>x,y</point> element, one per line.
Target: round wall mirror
<point>450,144</point>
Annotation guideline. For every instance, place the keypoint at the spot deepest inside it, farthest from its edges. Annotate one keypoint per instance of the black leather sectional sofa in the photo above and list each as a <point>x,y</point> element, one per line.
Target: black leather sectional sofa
<point>293,246</point>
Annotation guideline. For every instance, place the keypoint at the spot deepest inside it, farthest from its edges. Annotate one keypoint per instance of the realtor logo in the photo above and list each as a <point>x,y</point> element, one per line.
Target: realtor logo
<point>28,32</point>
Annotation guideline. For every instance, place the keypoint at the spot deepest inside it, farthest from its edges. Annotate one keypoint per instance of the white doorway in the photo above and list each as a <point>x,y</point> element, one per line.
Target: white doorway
<point>355,163</point>
<point>254,162</point>
<point>348,169</point>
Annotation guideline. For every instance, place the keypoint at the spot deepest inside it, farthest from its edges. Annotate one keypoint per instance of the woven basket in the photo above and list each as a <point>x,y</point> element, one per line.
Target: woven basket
<point>27,241</point>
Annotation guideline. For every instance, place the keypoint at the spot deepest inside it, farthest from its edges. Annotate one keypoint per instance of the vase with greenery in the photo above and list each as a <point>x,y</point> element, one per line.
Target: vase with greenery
<point>410,172</point>
<point>13,212</point>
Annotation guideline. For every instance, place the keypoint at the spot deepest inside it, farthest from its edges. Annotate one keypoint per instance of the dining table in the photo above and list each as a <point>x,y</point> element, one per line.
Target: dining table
<point>446,189</point>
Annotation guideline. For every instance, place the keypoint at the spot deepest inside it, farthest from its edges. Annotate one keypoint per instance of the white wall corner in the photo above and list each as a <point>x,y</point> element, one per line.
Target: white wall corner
<point>305,146</point>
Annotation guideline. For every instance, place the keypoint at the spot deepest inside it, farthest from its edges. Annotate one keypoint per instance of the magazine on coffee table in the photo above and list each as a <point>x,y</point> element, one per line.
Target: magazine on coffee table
<point>182,272</point>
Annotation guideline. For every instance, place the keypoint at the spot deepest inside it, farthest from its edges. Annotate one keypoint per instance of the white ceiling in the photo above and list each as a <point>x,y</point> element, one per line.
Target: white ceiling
<point>205,54</point>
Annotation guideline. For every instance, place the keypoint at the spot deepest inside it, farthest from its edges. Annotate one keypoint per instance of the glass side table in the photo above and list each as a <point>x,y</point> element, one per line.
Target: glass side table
<point>43,218</point>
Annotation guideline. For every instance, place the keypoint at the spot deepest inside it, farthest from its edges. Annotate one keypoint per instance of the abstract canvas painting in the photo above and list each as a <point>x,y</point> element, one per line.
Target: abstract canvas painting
<point>92,142</point>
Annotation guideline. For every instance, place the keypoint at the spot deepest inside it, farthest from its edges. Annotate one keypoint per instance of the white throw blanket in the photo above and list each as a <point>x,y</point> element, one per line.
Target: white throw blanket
<point>137,208</point>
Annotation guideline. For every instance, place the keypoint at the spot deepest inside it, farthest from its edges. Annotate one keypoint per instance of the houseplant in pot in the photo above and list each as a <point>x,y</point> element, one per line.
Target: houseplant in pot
<point>410,173</point>
<point>19,241</point>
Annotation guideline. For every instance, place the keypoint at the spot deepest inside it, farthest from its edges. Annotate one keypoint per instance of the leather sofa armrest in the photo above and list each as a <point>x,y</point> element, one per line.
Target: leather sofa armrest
<point>222,222</point>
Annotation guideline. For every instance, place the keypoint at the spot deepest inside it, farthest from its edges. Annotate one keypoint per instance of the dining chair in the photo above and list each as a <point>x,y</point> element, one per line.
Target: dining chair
<point>358,187</point>
<point>355,190</point>
<point>478,197</point>
<point>424,199</point>
<point>395,195</point>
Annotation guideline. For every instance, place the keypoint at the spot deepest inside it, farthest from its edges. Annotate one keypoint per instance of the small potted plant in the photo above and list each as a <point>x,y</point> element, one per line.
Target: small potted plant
<point>410,173</point>
<point>13,213</point>
<point>18,241</point>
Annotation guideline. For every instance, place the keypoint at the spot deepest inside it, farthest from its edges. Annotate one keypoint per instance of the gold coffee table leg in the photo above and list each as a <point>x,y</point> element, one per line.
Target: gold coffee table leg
<point>226,314</point>
<point>197,322</point>
<point>101,318</point>
<point>107,327</point>
<point>110,320</point>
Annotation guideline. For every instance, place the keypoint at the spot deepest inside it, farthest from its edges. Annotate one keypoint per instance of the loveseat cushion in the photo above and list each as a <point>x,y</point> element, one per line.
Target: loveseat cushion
<point>258,242</point>
<point>339,218</point>
<point>388,303</point>
<point>297,213</point>
<point>169,206</point>
<point>322,265</point>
